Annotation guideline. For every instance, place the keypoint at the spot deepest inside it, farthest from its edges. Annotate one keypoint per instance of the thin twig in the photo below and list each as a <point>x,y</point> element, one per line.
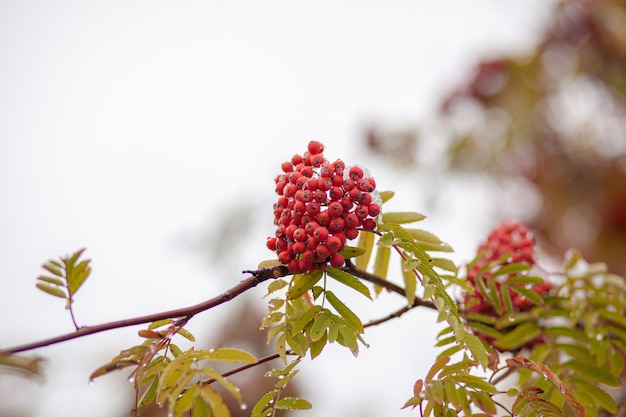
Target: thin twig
<point>257,277</point>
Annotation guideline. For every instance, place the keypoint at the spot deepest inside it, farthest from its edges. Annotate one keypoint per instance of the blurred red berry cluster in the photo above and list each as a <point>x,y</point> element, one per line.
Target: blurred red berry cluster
<point>320,205</point>
<point>510,242</point>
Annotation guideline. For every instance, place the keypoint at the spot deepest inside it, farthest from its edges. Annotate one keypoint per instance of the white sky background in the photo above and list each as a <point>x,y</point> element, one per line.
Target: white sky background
<point>125,126</point>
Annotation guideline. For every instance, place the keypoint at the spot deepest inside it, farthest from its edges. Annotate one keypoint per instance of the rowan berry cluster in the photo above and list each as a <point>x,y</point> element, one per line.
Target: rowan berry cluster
<point>320,205</point>
<point>515,242</point>
<point>512,239</point>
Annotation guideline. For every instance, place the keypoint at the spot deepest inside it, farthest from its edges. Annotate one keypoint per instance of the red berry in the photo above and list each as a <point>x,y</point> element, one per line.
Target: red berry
<point>366,199</point>
<point>351,220</point>
<point>289,231</point>
<point>337,260</point>
<point>352,233</point>
<point>336,225</point>
<point>315,147</point>
<point>298,247</point>
<point>306,171</point>
<point>299,208</point>
<point>346,203</point>
<point>369,224</point>
<point>320,234</point>
<point>271,243</point>
<point>373,209</point>
<point>290,190</point>
<point>313,184</point>
<point>317,160</point>
<point>326,171</point>
<point>364,185</point>
<point>335,209</point>
<point>310,227</point>
<point>313,208</point>
<point>334,244</point>
<point>361,211</point>
<point>308,256</point>
<point>355,195</point>
<point>326,184</point>
<point>339,166</point>
<point>319,196</point>
<point>323,218</point>
<point>285,257</point>
<point>321,253</point>
<point>297,159</point>
<point>337,180</point>
<point>311,243</point>
<point>299,235</point>
<point>287,167</point>
<point>305,266</point>
<point>294,266</point>
<point>356,173</point>
<point>335,193</point>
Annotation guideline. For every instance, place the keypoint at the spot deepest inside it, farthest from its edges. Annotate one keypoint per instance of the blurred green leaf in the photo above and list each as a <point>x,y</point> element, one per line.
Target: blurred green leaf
<point>519,336</point>
<point>348,280</point>
<point>302,283</point>
<point>291,403</point>
<point>402,217</point>
<point>344,311</point>
<point>365,242</point>
<point>52,290</point>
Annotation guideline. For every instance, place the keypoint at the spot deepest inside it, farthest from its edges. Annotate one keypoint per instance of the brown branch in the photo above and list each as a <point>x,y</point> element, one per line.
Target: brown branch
<point>257,277</point>
<point>390,286</point>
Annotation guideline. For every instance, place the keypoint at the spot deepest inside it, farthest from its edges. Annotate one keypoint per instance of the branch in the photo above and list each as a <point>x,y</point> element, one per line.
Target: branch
<point>257,277</point>
<point>390,286</point>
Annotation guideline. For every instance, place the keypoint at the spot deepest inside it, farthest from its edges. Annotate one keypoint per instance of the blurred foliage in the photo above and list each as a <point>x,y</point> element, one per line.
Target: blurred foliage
<point>553,120</point>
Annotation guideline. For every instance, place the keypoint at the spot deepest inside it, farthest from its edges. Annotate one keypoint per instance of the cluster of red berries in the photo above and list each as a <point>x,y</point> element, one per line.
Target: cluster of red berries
<point>320,205</point>
<point>512,239</point>
<point>516,241</point>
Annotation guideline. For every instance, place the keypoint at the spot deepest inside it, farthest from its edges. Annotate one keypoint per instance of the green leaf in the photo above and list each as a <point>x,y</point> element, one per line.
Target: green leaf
<point>445,264</point>
<point>600,396</point>
<point>410,284</point>
<point>227,384</point>
<point>159,323</point>
<point>318,345</point>
<point>593,373</point>
<point>302,283</point>
<point>53,269</point>
<point>529,294</point>
<point>214,401</point>
<point>519,336</point>
<point>511,269</point>
<point>352,252</point>
<point>381,261</point>
<point>186,400</point>
<point>320,324</point>
<point>292,403</point>
<point>229,355</point>
<point>344,311</point>
<point>51,289</point>
<point>483,401</point>
<point>186,334</point>
<point>200,409</point>
<point>78,276</point>
<point>386,195</point>
<point>51,280</point>
<point>348,280</point>
<point>402,217</point>
<point>148,396</point>
<point>259,409</point>
<point>305,319</point>
<point>365,242</point>
<point>276,285</point>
